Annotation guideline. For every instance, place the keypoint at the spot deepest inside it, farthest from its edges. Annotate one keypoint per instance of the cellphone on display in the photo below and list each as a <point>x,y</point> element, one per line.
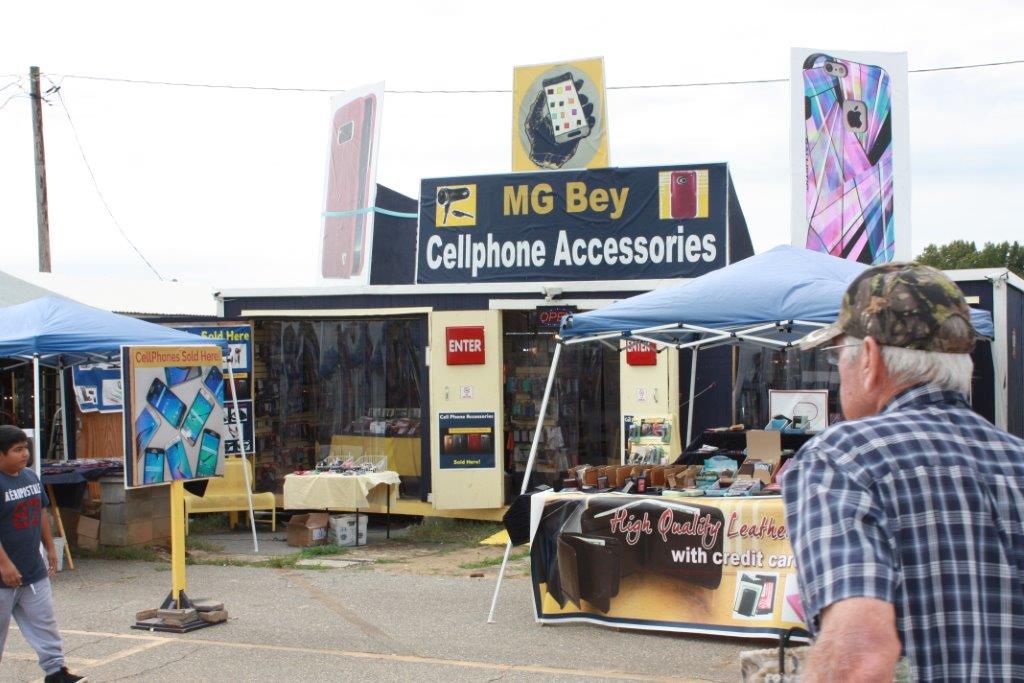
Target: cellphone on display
<point>146,425</point>
<point>352,133</point>
<point>198,413</point>
<point>209,448</point>
<point>166,402</point>
<point>177,460</point>
<point>684,194</point>
<point>568,121</point>
<point>153,466</point>
<point>177,376</point>
<point>214,381</point>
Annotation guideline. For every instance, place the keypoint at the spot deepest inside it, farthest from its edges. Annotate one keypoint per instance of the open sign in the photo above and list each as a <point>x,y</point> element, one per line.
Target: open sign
<point>550,317</point>
<point>465,345</point>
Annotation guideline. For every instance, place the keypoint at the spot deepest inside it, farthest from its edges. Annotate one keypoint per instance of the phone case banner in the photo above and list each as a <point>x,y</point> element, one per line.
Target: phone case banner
<point>173,413</point>
<point>850,156</point>
<point>466,440</point>
<point>98,387</point>
<point>559,116</point>
<point>716,566</point>
<point>605,224</point>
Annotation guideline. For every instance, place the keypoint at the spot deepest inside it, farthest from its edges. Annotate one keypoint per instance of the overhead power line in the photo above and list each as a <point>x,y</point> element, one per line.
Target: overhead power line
<point>88,167</point>
<point>485,91</point>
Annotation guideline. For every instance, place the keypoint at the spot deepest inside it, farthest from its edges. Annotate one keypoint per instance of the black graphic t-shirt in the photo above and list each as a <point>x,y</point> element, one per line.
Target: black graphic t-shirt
<point>22,500</point>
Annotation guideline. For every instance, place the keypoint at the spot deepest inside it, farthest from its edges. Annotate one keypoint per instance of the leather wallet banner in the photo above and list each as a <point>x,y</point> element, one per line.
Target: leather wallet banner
<point>714,565</point>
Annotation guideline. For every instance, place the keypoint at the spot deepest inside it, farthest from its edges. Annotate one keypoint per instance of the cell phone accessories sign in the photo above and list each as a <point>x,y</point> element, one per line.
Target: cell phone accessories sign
<point>173,413</point>
<point>559,116</point>
<point>350,184</point>
<point>605,224</point>
<point>98,387</point>
<point>849,153</point>
<point>466,440</point>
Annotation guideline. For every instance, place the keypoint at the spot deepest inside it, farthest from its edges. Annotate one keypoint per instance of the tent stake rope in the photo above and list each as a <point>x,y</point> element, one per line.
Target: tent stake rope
<point>529,469</point>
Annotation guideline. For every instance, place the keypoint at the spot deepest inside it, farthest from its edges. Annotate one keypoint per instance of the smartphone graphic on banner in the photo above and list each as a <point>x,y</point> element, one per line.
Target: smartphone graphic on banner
<point>146,425</point>
<point>177,460</point>
<point>166,402</point>
<point>198,413</point>
<point>565,112</point>
<point>209,447</point>
<point>684,194</point>
<point>153,466</point>
<point>214,381</point>
<point>352,135</point>
<point>177,376</point>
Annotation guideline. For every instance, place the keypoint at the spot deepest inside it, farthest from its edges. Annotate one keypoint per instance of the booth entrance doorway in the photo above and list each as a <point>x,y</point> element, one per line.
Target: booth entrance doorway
<point>582,422</point>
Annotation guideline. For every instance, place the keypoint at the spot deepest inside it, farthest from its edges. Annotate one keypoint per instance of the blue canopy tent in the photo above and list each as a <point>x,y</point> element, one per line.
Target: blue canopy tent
<point>56,332</point>
<point>771,299</point>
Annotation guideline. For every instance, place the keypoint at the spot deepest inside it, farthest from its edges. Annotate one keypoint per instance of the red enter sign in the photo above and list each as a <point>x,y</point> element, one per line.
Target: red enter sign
<point>641,353</point>
<point>464,345</point>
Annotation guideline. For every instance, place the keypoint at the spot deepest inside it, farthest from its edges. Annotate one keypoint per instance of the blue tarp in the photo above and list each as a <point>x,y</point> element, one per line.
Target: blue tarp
<point>785,283</point>
<point>53,327</point>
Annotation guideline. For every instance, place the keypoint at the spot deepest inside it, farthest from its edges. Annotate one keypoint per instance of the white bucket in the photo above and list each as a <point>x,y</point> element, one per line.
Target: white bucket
<point>58,545</point>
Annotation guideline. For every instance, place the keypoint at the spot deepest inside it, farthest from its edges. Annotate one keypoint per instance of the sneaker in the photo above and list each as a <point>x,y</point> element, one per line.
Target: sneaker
<point>64,676</point>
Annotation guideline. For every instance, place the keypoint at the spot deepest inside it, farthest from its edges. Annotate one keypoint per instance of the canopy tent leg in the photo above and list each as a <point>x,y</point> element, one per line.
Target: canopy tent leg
<point>65,443</point>
<point>245,459</point>
<point>529,469</point>
<point>689,407</point>
<point>37,432</point>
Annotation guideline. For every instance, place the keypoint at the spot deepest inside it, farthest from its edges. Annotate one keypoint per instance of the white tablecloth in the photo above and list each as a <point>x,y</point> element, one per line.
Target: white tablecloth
<point>327,490</point>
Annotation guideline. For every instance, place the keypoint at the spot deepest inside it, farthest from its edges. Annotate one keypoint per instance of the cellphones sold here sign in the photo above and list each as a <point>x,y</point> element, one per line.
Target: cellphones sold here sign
<point>465,345</point>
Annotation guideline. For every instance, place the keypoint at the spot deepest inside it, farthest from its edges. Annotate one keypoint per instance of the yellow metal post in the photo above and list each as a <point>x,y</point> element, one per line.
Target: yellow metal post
<point>178,583</point>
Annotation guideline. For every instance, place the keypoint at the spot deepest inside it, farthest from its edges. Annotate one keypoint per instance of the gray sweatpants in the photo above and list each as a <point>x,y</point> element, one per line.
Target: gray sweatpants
<point>32,607</point>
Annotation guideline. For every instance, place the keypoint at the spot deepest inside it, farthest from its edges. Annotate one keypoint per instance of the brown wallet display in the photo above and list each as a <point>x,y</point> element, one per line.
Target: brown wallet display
<point>588,568</point>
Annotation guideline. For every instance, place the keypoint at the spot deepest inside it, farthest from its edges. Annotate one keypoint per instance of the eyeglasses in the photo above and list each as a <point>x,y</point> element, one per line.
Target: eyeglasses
<point>832,353</point>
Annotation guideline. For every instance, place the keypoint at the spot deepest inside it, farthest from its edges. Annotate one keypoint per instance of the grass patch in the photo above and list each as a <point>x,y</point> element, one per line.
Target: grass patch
<point>193,543</point>
<point>389,560</point>
<point>126,553</point>
<point>289,561</point>
<point>208,523</point>
<point>318,550</point>
<point>443,531</point>
<point>493,561</point>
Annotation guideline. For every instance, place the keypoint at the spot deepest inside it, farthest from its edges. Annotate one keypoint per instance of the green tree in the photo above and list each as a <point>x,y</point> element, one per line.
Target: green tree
<point>964,254</point>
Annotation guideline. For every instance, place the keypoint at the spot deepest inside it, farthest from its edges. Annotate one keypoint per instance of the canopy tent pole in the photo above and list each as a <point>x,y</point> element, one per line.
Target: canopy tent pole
<point>37,432</point>
<point>245,460</point>
<point>529,468</point>
<point>65,442</point>
<point>689,407</point>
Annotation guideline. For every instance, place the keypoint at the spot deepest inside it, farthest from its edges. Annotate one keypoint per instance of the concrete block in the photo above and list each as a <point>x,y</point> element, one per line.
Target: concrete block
<point>135,533</point>
<point>127,512</point>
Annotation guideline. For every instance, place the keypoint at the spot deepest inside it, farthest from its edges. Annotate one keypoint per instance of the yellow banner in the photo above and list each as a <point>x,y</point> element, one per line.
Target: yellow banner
<point>175,356</point>
<point>719,565</point>
<point>559,116</point>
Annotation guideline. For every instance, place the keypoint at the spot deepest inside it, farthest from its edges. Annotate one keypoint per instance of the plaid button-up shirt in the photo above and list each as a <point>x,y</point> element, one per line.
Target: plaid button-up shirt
<point>920,506</point>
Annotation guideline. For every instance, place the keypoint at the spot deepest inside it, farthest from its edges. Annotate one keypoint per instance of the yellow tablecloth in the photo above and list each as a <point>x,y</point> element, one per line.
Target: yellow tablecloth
<point>328,490</point>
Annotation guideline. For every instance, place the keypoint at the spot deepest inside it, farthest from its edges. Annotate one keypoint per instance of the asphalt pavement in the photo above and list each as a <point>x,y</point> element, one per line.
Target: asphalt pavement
<point>346,624</point>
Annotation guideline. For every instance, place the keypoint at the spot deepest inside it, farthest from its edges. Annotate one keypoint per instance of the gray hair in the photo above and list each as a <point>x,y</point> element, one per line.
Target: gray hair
<point>947,371</point>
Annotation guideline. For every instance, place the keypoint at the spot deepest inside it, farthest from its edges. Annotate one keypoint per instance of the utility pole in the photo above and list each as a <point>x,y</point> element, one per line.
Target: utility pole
<point>42,215</point>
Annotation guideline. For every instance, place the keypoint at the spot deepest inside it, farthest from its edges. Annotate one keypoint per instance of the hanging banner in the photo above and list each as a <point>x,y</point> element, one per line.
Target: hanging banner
<point>239,339</point>
<point>466,440</point>
<point>850,154</point>
<point>173,413</point>
<point>721,566</point>
<point>98,387</point>
<point>559,116</point>
<point>606,224</point>
<point>350,185</point>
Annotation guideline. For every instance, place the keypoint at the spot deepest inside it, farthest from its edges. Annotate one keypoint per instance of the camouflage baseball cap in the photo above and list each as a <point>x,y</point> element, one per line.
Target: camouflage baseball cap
<point>902,304</point>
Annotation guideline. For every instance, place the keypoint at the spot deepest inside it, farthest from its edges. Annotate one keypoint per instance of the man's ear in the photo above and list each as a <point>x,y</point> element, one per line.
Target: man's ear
<point>872,366</point>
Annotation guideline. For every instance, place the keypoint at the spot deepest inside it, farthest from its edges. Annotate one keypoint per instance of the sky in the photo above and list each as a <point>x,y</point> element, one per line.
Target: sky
<point>225,186</point>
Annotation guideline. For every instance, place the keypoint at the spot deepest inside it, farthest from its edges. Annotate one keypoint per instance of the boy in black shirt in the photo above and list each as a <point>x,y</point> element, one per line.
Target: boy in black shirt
<point>25,593</point>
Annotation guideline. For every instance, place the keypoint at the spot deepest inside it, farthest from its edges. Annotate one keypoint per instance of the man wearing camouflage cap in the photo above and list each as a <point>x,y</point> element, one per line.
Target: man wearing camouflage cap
<point>907,519</point>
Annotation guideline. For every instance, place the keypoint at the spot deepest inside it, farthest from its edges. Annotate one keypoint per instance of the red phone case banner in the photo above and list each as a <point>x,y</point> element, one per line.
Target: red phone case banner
<point>173,414</point>
<point>641,353</point>
<point>600,224</point>
<point>465,345</point>
<point>350,184</point>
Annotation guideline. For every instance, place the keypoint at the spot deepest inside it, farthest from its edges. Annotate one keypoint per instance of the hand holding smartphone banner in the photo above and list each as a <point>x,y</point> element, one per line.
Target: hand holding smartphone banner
<point>174,413</point>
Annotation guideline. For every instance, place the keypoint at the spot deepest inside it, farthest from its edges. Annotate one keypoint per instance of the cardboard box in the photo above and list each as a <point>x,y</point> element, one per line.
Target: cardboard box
<point>87,543</point>
<point>88,527</point>
<point>307,530</point>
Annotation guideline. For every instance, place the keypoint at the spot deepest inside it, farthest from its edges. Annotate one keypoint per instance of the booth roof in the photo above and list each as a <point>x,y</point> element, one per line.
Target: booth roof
<point>785,283</point>
<point>52,327</point>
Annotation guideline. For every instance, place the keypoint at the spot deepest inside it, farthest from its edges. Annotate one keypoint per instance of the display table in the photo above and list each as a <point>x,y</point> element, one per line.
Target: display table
<point>333,491</point>
<point>699,565</point>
